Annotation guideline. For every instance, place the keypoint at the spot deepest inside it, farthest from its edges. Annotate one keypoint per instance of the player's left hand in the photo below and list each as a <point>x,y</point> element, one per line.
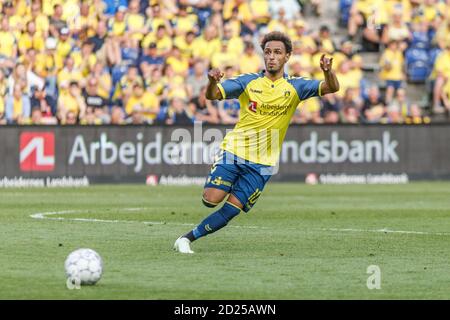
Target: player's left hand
<point>326,64</point>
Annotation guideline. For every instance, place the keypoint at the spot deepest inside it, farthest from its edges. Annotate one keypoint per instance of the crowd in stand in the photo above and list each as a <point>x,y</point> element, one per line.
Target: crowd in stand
<point>413,37</point>
<point>94,62</point>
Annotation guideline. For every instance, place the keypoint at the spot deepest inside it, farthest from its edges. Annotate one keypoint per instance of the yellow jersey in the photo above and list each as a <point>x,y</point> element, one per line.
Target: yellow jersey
<point>250,63</point>
<point>179,66</point>
<point>148,101</point>
<point>266,110</point>
<point>442,64</point>
<point>27,41</point>
<point>135,22</point>
<point>392,65</point>
<point>7,43</point>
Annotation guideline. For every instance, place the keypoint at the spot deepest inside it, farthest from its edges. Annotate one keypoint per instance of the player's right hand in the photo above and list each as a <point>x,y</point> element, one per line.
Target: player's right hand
<point>214,75</point>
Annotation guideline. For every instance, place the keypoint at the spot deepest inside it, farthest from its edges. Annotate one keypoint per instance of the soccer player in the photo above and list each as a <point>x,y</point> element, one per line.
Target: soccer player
<point>249,154</point>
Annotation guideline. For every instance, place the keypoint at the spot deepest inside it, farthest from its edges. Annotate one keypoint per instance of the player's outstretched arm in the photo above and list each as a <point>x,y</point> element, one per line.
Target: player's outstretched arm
<point>212,91</point>
<point>331,83</point>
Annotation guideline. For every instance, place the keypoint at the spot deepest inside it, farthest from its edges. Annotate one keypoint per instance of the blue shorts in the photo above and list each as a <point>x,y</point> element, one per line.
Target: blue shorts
<point>394,83</point>
<point>243,179</point>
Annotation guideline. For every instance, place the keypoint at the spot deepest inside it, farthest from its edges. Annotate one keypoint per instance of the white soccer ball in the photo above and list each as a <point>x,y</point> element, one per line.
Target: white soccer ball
<point>84,266</point>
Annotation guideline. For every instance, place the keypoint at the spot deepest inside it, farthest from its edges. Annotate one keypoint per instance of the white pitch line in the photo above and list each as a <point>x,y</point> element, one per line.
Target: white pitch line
<point>133,209</point>
<point>45,216</point>
<point>386,231</point>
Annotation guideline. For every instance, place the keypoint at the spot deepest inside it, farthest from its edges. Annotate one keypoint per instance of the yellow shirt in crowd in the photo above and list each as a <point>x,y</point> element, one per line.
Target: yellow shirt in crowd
<point>148,101</point>
<point>442,64</point>
<point>69,102</point>
<point>392,65</point>
<point>250,63</point>
<point>7,43</point>
<point>135,21</point>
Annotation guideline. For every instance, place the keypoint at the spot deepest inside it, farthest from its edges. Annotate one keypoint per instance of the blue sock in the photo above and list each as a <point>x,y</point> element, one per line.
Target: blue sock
<point>216,221</point>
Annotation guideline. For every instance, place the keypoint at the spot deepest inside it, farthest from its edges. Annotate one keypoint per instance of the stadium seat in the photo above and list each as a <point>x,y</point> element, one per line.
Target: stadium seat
<point>203,16</point>
<point>414,55</point>
<point>344,9</point>
<point>418,71</point>
<point>420,40</point>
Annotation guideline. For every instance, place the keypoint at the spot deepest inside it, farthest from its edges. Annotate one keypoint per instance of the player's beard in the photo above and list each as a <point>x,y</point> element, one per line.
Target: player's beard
<point>274,70</point>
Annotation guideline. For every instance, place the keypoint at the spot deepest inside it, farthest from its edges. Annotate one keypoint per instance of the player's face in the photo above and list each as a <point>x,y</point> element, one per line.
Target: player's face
<point>275,56</point>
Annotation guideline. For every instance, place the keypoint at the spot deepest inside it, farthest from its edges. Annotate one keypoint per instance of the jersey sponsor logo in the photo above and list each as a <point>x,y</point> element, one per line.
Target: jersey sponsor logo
<point>252,106</point>
<point>255,90</point>
<point>37,151</point>
<point>274,109</point>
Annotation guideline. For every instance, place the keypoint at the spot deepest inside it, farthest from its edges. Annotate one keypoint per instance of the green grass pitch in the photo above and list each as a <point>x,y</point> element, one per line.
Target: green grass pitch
<point>299,242</point>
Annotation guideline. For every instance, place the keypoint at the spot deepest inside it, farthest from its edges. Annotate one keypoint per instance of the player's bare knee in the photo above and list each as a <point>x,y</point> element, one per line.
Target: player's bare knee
<point>212,199</point>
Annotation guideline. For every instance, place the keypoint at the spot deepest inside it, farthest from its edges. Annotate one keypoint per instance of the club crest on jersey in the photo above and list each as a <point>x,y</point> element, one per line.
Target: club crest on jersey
<point>287,93</point>
<point>252,106</point>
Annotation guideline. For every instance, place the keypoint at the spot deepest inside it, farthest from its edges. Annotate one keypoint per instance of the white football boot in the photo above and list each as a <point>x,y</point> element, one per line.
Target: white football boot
<point>183,245</point>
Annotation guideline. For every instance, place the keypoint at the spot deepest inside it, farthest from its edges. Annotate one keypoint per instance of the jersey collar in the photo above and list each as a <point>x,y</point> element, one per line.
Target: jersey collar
<point>263,75</point>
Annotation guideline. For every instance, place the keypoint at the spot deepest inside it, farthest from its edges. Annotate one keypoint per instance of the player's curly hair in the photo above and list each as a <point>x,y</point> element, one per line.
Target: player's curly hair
<point>277,36</point>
